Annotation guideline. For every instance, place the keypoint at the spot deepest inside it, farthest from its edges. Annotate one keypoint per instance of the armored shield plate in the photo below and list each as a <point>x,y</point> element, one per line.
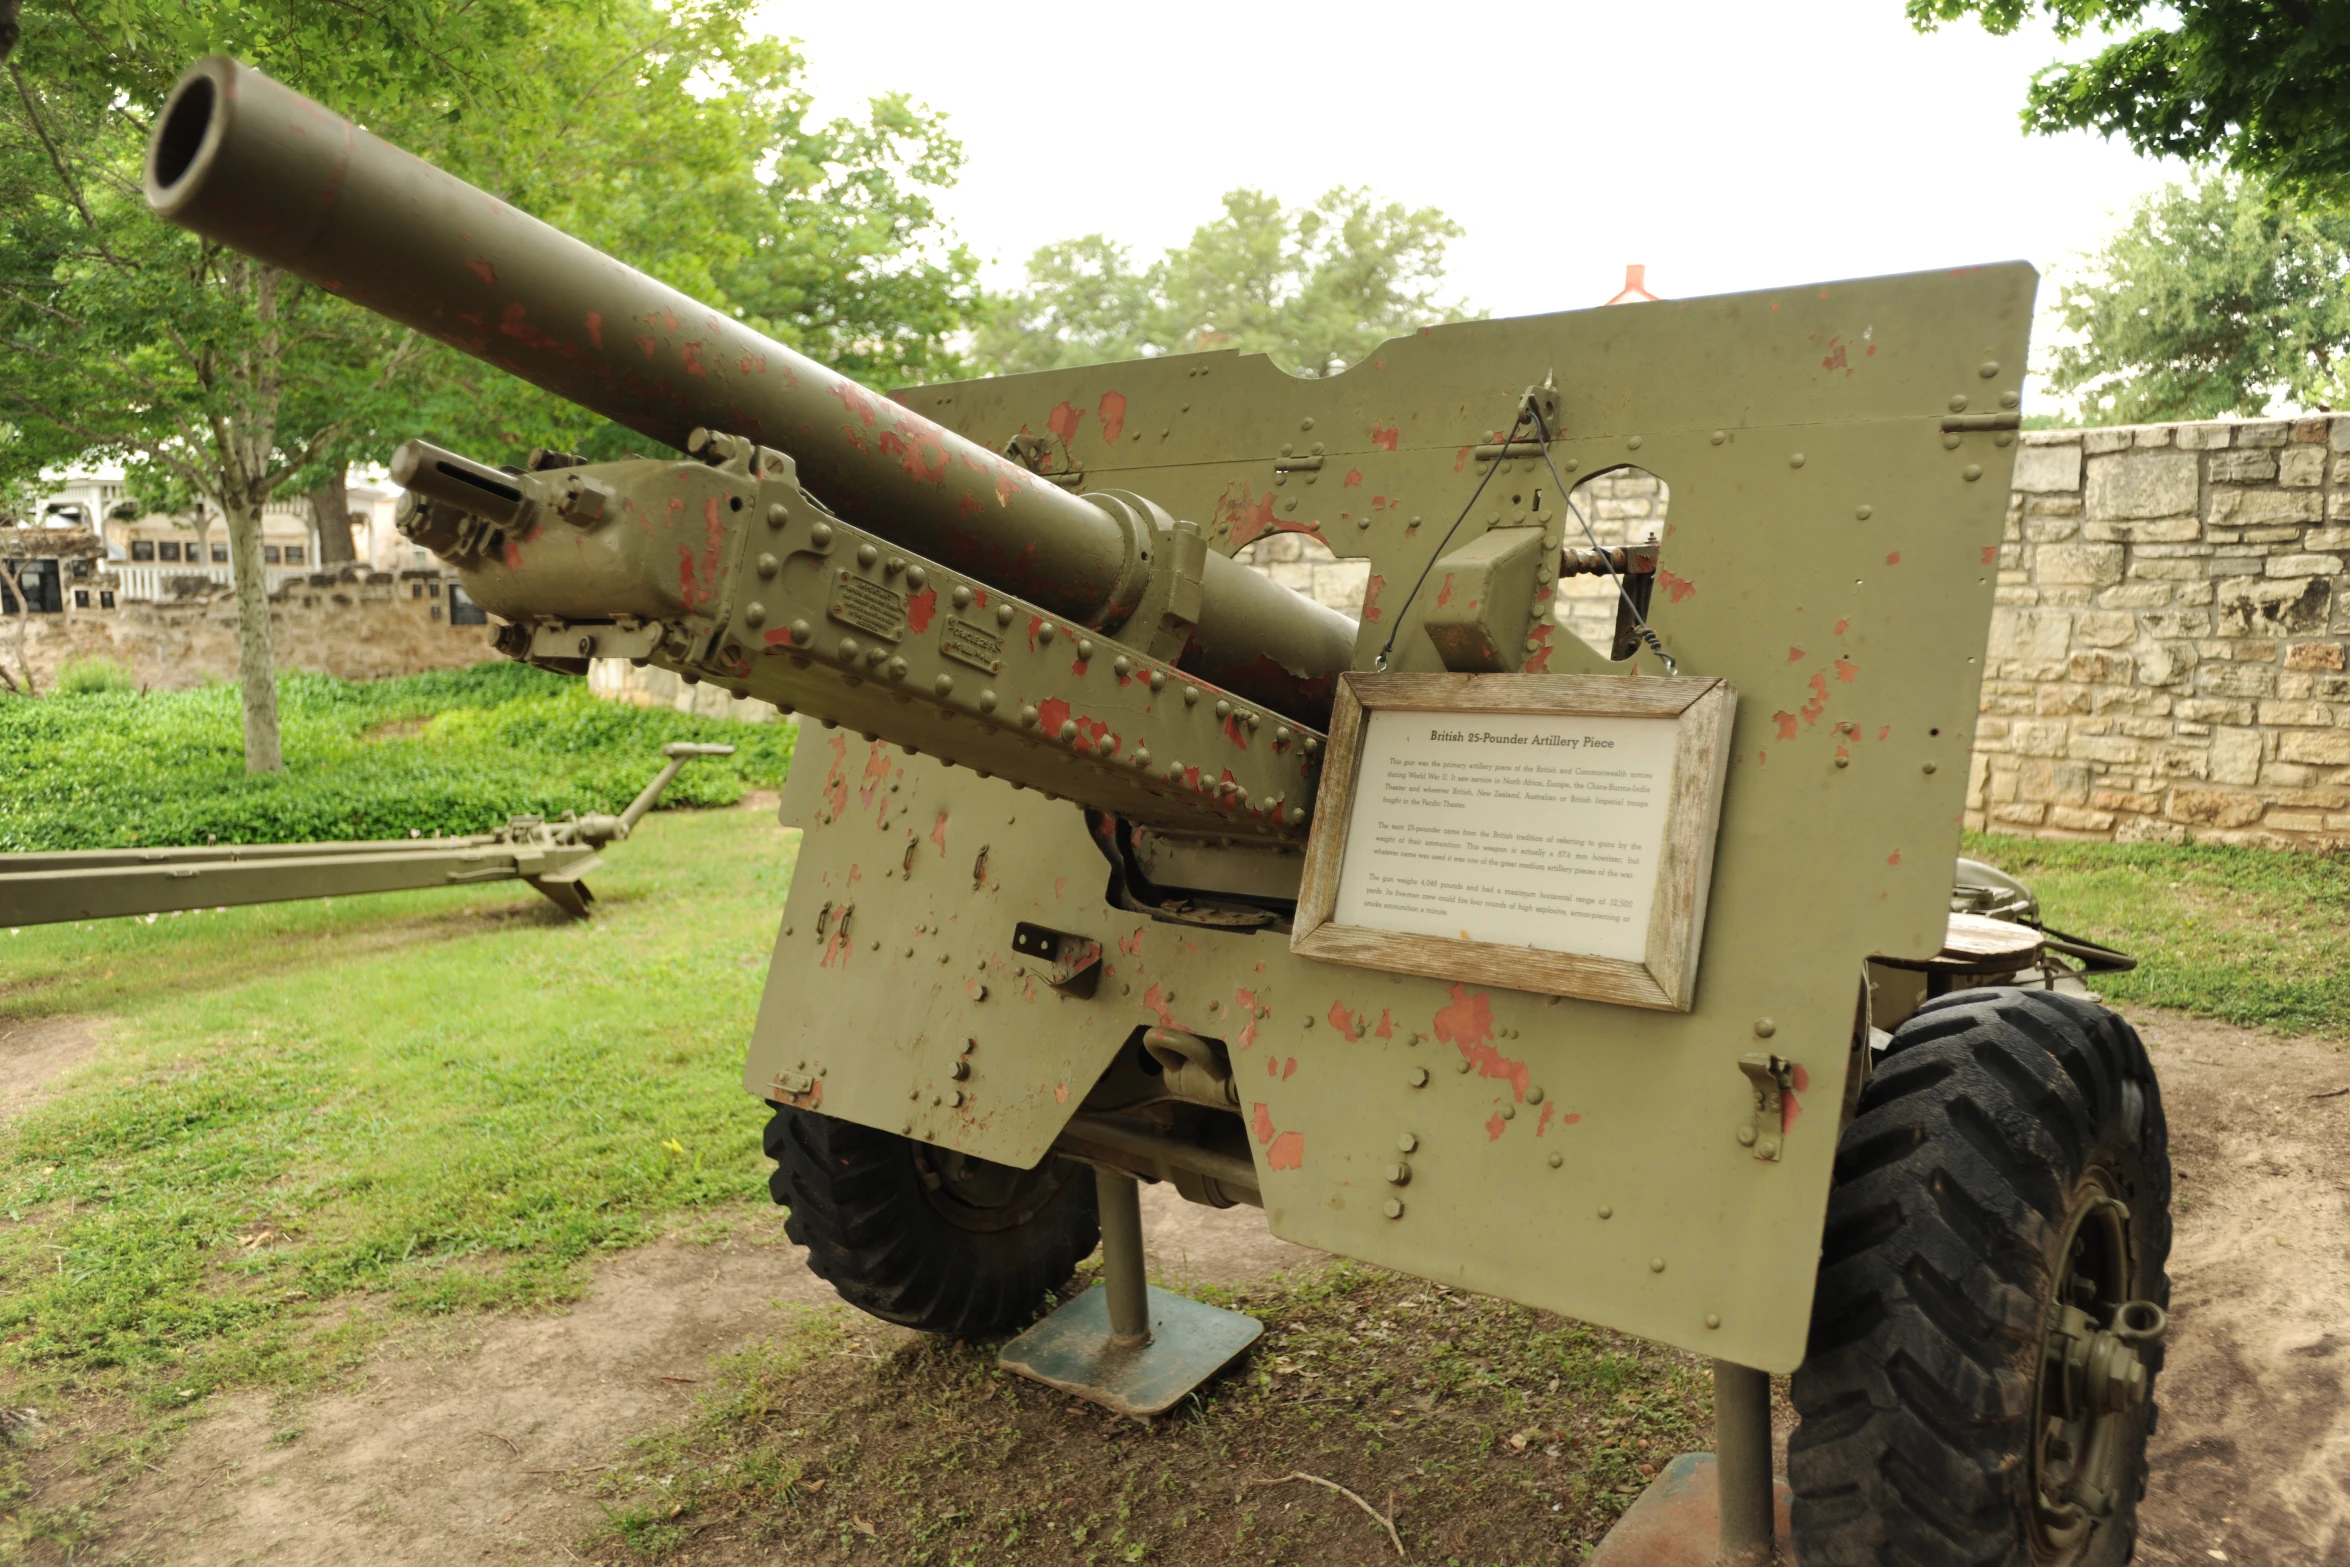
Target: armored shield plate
<point>1838,461</point>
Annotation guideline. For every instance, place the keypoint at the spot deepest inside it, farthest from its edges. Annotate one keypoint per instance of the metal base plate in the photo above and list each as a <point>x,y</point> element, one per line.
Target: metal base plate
<point>1073,1351</point>
<point>1677,1522</point>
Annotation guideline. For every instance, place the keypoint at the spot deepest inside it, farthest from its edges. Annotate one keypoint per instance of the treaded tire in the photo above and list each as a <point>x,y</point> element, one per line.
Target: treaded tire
<point>905,1251</point>
<point>1917,1397</point>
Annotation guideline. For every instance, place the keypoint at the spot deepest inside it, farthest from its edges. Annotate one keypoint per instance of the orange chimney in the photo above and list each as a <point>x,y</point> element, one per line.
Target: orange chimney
<point>1635,287</point>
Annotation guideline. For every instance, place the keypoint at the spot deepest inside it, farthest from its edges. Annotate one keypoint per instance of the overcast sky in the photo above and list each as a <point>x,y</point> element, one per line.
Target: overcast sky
<point>1727,146</point>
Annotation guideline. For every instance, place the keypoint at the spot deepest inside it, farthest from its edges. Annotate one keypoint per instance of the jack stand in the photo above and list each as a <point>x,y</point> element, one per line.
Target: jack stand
<point>1707,1510</point>
<point>1123,1344</point>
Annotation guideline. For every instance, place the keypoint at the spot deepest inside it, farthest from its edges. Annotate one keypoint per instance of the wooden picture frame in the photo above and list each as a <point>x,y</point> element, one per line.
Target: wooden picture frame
<point>1664,973</point>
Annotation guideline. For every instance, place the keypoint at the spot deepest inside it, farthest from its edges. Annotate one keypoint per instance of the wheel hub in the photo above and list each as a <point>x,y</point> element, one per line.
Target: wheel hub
<point>2093,1374</point>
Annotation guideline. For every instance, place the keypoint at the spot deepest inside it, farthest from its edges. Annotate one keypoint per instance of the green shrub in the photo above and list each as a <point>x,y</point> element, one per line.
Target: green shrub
<point>455,751</point>
<point>92,677</point>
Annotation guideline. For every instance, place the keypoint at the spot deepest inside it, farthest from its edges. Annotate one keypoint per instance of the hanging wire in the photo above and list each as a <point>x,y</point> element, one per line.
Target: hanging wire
<point>1525,411</point>
<point>1530,413</point>
<point>1640,625</point>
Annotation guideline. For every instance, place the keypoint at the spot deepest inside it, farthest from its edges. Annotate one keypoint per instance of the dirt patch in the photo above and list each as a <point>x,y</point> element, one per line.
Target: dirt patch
<point>480,1440</point>
<point>460,1443</point>
<point>33,1054</point>
<point>486,1440</point>
<point>2252,1455</point>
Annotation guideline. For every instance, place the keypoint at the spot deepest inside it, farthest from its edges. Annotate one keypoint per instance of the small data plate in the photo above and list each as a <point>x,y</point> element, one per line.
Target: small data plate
<point>1073,1351</point>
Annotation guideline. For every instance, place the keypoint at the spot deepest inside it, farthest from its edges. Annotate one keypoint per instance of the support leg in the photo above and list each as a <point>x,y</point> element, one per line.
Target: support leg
<point>1120,1199</point>
<point>1742,1456</point>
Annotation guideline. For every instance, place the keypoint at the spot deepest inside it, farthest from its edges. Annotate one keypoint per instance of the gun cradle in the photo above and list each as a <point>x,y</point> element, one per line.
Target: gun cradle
<point>726,571</point>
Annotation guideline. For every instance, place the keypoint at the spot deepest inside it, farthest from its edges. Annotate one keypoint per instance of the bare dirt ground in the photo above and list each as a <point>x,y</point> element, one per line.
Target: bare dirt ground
<point>466,1443</point>
<point>33,1054</point>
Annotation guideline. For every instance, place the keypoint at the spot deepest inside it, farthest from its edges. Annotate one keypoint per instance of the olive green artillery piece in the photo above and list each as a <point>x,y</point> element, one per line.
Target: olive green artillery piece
<point>1119,858</point>
<point>554,857</point>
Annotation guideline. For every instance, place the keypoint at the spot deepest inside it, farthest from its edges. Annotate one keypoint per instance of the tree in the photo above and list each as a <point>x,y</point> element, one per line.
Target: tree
<point>2216,298</point>
<point>2257,84</point>
<point>1315,287</point>
<point>664,133</point>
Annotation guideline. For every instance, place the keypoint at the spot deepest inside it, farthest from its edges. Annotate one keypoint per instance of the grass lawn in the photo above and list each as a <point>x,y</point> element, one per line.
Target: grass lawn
<point>307,1120</point>
<point>307,1123</point>
<point>2249,936</point>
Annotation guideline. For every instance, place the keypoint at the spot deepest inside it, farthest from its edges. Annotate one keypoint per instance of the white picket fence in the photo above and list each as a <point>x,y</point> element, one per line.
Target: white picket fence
<point>151,583</point>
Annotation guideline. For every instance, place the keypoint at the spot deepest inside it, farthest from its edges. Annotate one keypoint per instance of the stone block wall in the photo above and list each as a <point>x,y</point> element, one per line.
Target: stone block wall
<point>2166,662</point>
<point>618,680</point>
<point>359,630</point>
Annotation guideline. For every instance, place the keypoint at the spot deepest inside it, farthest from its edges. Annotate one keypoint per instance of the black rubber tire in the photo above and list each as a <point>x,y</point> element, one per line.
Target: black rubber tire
<point>1952,1187</point>
<point>897,1248</point>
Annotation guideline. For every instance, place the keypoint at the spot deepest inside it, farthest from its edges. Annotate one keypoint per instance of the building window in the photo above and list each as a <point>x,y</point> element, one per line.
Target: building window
<point>106,598</point>
<point>270,554</point>
<point>169,549</point>
<point>416,590</point>
<point>40,586</point>
<point>142,549</point>
<point>293,554</point>
<point>435,589</point>
<point>81,566</point>
<point>463,611</point>
<point>220,554</point>
<point>81,598</point>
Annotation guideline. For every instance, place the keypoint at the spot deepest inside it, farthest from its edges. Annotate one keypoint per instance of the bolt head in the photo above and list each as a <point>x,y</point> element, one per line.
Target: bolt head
<point>1393,1208</point>
<point>1417,1077</point>
<point>1557,1159</point>
<point>1407,1142</point>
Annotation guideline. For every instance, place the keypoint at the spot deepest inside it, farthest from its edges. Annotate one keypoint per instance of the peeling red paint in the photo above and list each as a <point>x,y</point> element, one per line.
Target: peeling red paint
<point>1786,722</point>
<point>1063,421</point>
<point>1543,1124</point>
<point>1538,661</point>
<point>938,834</point>
<point>1353,479</point>
<point>1894,858</point>
<point>836,783</point>
<point>691,353</point>
<point>1846,669</point>
<point>1384,436</point>
<point>1495,1127</point>
<point>1371,610</point>
<point>1460,459</point>
<point>1884,731</point>
<point>482,267</point>
<point>924,460</point>
<point>1060,1093</point>
<point>920,607</point>
<point>1342,1018</point>
<point>1234,732</point>
<point>1289,1069</point>
<point>1386,1028</point>
<point>1287,1153</point>
<point>1051,714</point>
<point>1819,700</point>
<point>1153,1001</point>
<point>1060,888</point>
<point>1795,655</point>
<point>1893,559</point>
<point>853,399</point>
<point>1132,945</point>
<point>1112,413</point>
<point>595,328</point>
<point>1990,554</point>
<point>1676,588</point>
<point>1260,1121</point>
<point>1467,1025</point>
<point>1840,625</point>
<point>1444,594</point>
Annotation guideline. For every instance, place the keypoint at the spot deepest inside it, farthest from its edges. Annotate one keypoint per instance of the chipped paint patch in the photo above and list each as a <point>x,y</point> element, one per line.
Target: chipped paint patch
<point>1386,1028</point>
<point>1112,413</point>
<point>1495,1127</point>
<point>1385,436</point>
<point>1154,1001</point>
<point>1371,589</point>
<point>836,780</point>
<point>1288,1152</point>
<point>1467,1026</point>
<point>1676,588</point>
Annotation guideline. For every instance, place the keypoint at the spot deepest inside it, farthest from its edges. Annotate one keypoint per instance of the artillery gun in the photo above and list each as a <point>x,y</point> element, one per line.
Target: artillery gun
<point>1104,834</point>
<point>552,857</point>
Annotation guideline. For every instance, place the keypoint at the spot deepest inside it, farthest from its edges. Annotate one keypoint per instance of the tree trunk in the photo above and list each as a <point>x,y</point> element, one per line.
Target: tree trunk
<point>256,668</point>
<point>12,597</point>
<point>330,510</point>
<point>8,28</point>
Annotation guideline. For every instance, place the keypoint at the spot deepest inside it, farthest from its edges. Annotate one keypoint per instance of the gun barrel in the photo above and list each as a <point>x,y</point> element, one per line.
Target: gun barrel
<point>256,166</point>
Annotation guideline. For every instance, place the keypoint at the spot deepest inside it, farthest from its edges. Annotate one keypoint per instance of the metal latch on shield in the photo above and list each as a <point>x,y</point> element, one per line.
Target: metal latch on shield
<point>1070,964</point>
<point>1773,1078</point>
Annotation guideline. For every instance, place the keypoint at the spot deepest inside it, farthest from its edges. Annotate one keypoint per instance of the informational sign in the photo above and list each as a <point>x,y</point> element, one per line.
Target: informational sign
<point>1550,833</point>
<point>1527,829</point>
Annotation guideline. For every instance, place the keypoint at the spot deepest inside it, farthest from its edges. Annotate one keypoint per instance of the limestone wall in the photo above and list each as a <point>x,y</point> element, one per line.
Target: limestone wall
<point>355,630</point>
<point>2166,662</point>
<point>618,680</point>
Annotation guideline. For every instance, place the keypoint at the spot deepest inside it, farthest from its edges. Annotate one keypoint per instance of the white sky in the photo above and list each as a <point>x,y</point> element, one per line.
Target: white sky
<point>1727,146</point>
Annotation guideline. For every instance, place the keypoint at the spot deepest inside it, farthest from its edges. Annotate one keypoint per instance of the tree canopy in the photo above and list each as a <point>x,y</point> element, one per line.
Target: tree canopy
<point>2256,84</point>
<point>665,133</point>
<point>2216,298</point>
<point>1315,287</point>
